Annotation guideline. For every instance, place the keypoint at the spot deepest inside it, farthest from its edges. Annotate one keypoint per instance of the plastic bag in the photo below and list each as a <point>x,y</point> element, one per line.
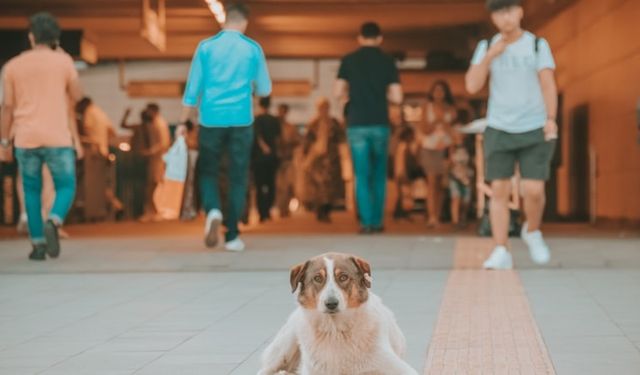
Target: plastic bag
<point>168,195</point>
<point>176,160</point>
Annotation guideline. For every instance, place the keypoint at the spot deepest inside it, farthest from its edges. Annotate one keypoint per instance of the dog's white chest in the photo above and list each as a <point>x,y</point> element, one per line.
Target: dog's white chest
<point>338,352</point>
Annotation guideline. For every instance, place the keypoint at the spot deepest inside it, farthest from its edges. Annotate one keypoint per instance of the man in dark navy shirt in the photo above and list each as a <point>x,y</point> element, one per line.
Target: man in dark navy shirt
<point>266,128</point>
<point>368,79</point>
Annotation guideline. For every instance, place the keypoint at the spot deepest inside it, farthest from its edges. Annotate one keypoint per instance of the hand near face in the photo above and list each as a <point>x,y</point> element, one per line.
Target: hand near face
<point>497,48</point>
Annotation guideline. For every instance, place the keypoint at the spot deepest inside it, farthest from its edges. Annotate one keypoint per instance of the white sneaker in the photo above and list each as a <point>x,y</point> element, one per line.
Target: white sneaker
<point>235,245</point>
<point>538,249</point>
<point>500,259</point>
<point>211,227</point>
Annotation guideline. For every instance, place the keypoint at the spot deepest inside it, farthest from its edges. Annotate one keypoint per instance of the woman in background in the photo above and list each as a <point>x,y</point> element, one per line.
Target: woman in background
<point>323,176</point>
<point>434,140</point>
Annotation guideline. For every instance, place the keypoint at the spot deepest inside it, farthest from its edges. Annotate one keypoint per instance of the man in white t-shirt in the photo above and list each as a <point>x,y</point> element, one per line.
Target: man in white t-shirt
<point>522,129</point>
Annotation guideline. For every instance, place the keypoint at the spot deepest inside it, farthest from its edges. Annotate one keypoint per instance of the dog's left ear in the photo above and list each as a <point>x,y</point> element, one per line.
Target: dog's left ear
<point>297,275</point>
<point>365,269</point>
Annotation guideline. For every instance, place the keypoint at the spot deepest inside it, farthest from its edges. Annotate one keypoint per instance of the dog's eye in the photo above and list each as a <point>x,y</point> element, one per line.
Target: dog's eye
<point>318,278</point>
<point>343,277</point>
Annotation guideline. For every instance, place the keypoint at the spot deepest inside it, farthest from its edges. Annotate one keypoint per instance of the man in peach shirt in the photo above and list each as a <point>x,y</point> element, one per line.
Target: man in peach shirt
<point>37,87</point>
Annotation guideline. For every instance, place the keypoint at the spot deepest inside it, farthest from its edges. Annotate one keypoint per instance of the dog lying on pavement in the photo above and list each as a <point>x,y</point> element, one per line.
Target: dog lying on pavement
<point>339,327</point>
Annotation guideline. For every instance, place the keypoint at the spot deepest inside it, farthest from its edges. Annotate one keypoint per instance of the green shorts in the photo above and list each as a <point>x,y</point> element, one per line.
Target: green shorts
<point>529,150</point>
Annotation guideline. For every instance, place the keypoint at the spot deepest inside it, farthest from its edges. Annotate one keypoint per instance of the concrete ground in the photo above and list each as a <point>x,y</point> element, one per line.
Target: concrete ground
<point>149,299</point>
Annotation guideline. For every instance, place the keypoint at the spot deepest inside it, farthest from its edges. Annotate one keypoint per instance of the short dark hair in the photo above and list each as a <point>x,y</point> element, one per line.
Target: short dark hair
<point>370,30</point>
<point>236,11</point>
<point>496,5</point>
<point>265,102</point>
<point>153,106</point>
<point>45,29</point>
<point>83,104</point>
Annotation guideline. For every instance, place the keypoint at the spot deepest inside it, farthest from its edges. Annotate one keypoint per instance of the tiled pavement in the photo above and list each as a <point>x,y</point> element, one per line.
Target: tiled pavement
<point>149,300</point>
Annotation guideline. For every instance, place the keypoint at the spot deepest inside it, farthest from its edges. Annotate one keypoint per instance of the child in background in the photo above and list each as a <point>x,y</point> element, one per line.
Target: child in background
<point>406,170</point>
<point>460,178</point>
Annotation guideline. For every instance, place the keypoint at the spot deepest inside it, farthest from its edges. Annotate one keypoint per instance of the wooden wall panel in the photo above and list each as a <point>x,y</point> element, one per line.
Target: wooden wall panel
<point>597,49</point>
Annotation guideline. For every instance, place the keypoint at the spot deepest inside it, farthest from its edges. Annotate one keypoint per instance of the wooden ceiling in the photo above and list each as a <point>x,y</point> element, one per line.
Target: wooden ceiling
<point>285,28</point>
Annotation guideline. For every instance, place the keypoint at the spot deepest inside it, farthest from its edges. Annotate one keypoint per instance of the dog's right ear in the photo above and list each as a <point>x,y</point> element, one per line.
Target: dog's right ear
<point>297,275</point>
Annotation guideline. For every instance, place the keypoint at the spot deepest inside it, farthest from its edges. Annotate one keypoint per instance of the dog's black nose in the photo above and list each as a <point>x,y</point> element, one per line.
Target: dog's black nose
<point>331,304</point>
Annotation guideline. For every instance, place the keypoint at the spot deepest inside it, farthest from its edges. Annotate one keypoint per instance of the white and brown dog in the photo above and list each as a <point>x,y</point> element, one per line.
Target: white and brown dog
<point>339,327</point>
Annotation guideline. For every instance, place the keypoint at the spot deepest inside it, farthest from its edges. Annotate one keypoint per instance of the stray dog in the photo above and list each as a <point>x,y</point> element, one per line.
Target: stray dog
<point>339,327</point>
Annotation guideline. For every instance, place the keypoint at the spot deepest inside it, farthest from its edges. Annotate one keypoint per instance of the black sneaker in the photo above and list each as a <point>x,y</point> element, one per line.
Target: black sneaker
<point>53,238</point>
<point>39,252</point>
<point>377,229</point>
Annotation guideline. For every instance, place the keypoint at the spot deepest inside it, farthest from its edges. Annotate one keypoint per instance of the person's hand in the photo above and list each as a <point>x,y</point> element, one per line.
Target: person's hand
<point>181,130</point>
<point>497,48</point>
<point>6,154</point>
<point>79,151</point>
<point>266,149</point>
<point>550,130</point>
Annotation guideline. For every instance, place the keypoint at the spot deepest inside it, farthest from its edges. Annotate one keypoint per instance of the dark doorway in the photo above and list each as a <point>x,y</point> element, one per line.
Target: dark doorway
<point>579,188</point>
<point>551,190</point>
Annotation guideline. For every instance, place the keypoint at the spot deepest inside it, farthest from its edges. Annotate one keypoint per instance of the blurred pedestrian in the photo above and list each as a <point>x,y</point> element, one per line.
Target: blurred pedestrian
<point>290,139</point>
<point>523,105</point>
<point>435,139</point>
<point>225,73</point>
<point>267,132</point>
<point>368,79</point>
<point>38,87</point>
<point>148,143</point>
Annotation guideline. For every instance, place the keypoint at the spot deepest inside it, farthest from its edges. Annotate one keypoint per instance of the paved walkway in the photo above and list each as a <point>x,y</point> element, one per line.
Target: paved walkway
<point>148,299</point>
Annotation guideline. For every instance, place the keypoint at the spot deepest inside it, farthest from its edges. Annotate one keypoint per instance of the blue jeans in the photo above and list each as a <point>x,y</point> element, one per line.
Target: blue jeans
<point>369,151</point>
<point>61,162</point>
<point>233,145</point>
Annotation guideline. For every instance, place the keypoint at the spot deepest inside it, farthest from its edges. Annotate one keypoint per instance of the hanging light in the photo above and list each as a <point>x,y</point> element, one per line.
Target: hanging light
<point>217,9</point>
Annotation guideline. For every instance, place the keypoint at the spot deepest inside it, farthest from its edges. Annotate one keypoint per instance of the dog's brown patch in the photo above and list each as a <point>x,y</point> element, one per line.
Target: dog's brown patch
<point>310,278</point>
<point>353,279</point>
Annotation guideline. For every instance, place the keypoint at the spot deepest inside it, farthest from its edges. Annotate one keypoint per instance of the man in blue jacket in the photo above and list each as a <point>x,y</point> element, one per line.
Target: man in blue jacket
<point>226,70</point>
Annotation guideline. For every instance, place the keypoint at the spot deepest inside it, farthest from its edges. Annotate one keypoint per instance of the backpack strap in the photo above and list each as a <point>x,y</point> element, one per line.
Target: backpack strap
<point>488,42</point>
<point>536,44</point>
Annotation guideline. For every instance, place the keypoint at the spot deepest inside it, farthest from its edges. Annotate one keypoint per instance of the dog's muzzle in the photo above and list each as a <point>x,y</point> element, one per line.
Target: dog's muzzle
<point>331,304</point>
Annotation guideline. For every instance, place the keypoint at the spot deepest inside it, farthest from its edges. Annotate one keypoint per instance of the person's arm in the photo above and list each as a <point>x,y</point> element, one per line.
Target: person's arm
<point>6,117</point>
<point>124,123</point>
<point>341,90</point>
<point>546,68</point>
<point>341,86</point>
<point>74,90</point>
<point>73,128</point>
<point>260,128</point>
<point>394,93</point>
<point>394,89</point>
<point>478,72</point>
<point>550,95</point>
<point>400,163</point>
<point>263,84</point>
<point>192,91</point>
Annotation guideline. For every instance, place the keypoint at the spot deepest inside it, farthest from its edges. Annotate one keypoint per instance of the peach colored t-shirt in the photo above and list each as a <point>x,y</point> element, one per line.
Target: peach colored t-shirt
<point>39,80</point>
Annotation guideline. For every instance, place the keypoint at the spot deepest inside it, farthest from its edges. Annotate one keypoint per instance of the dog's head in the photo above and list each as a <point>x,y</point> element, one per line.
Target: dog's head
<point>331,283</point>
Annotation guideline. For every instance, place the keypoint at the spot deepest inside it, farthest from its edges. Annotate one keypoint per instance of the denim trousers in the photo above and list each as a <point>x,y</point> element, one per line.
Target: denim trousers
<point>369,150</point>
<point>228,148</point>
<point>61,162</point>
